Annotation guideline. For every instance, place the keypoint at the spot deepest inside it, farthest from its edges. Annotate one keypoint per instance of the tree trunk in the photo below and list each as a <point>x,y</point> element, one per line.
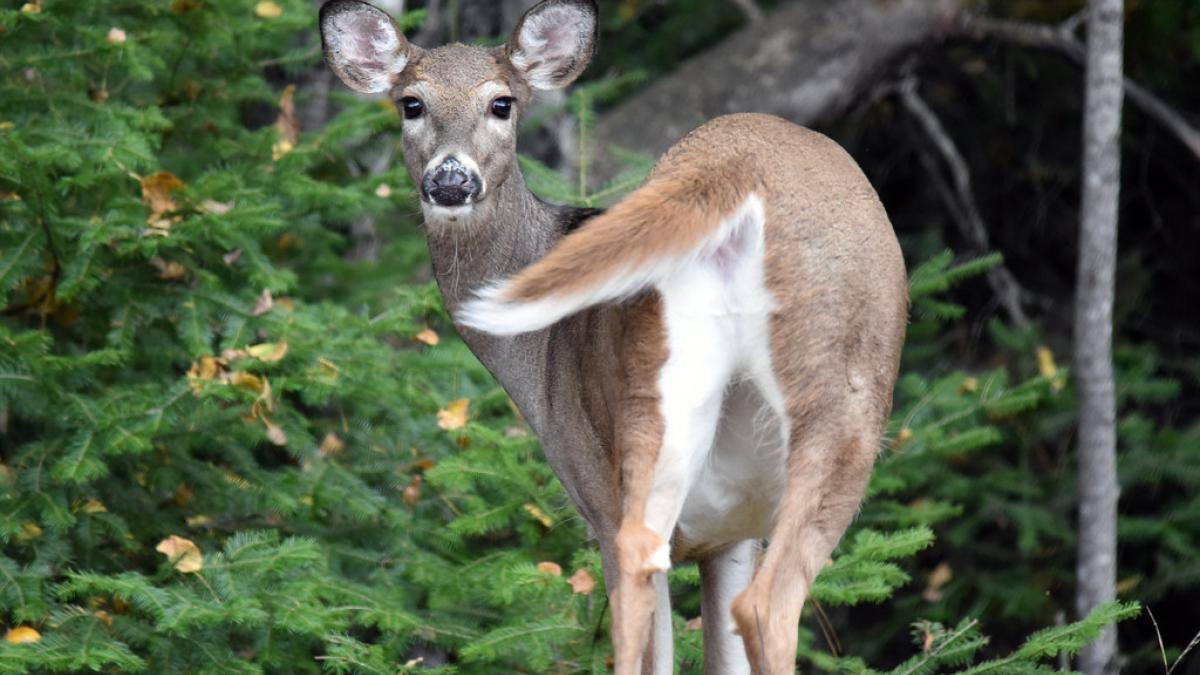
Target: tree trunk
<point>1098,491</point>
<point>809,59</point>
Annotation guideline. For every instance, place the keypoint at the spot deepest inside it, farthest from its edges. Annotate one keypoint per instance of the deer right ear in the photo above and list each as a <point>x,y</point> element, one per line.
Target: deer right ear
<point>363,45</point>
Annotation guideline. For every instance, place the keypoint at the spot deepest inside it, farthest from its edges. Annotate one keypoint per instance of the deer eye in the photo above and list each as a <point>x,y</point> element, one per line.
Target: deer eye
<point>412,107</point>
<point>503,107</point>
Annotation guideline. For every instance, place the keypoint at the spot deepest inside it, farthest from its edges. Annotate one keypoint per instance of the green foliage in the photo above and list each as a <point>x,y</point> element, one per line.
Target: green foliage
<point>202,362</point>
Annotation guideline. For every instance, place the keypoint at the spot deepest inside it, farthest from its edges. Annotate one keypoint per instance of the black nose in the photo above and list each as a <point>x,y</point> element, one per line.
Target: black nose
<point>450,184</point>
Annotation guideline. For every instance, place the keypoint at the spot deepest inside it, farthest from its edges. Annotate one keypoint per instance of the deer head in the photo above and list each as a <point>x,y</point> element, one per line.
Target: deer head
<point>461,104</point>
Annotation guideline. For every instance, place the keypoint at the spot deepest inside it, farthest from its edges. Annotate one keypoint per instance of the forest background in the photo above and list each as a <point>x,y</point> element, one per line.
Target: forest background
<point>239,434</point>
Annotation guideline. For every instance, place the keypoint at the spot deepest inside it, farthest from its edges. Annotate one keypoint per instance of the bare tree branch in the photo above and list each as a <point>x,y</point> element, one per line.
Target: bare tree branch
<point>962,200</point>
<point>1062,38</point>
<point>751,9</point>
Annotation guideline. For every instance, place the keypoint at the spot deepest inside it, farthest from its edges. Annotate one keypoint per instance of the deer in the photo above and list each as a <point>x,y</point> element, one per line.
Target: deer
<point>707,364</point>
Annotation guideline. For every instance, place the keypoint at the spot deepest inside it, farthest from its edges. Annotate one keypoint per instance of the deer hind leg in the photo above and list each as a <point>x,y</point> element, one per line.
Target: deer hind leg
<point>829,462</point>
<point>658,470</point>
<point>722,577</point>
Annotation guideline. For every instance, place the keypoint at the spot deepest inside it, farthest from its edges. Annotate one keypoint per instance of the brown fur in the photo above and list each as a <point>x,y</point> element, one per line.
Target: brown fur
<point>588,384</point>
<point>684,200</point>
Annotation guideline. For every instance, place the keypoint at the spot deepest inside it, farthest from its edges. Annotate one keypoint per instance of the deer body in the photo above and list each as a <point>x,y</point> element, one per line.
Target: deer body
<point>707,364</point>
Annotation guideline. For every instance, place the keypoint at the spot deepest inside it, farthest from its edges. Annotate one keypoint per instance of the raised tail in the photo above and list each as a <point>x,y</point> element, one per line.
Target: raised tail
<point>681,215</point>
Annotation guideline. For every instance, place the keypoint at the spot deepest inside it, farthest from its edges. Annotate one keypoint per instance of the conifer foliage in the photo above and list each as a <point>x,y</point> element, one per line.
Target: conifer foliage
<point>224,449</point>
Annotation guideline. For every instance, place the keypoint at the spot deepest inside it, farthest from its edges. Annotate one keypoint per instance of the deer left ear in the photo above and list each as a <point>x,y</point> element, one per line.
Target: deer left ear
<point>363,45</point>
<point>553,42</point>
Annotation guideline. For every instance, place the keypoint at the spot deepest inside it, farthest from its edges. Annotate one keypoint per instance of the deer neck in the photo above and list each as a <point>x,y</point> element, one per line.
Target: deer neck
<point>507,232</point>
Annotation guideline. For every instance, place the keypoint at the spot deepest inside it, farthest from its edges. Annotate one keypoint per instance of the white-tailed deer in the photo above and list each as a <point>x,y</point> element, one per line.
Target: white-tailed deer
<point>707,364</point>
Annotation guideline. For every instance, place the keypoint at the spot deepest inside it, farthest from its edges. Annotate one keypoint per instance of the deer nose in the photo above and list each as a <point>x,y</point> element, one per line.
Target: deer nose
<point>450,184</point>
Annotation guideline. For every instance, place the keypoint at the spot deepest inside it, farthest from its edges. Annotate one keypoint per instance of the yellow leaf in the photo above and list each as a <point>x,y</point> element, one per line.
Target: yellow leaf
<point>105,617</point>
<point>94,506</point>
<point>582,582</point>
<point>539,515</point>
<point>268,10</point>
<point>6,125</point>
<point>183,553</point>
<point>198,521</point>
<point>903,437</point>
<point>32,7</point>
<point>413,663</point>
<point>695,624</point>
<point>22,635</point>
<point>268,352</point>
<point>249,382</point>
<point>1048,368</point>
<point>550,568</point>
<point>331,445</point>
<point>115,36</point>
<point>454,415</point>
<point>427,337</point>
<point>281,149</point>
<point>29,532</point>
<point>168,271</point>
<point>286,123</point>
<point>329,368</point>
<point>969,386</point>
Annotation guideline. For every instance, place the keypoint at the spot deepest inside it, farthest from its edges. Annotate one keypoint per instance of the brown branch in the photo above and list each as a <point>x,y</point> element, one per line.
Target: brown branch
<point>961,201</point>
<point>1062,38</point>
<point>751,9</point>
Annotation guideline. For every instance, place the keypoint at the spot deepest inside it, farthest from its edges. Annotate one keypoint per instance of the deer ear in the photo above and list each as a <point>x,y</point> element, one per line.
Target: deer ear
<point>553,42</point>
<point>363,45</point>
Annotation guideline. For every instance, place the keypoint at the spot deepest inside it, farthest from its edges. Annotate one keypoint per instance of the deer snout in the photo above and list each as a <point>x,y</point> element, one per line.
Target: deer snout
<point>451,183</point>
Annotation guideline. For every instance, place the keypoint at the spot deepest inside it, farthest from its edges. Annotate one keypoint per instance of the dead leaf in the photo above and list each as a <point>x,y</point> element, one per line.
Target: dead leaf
<point>268,10</point>
<point>1127,584</point>
<point>582,582</point>
<point>695,624</point>
<point>105,617</point>
<point>265,302</point>
<point>232,257</point>
<point>969,385</point>
<point>383,191</point>
<point>94,506</point>
<point>454,415</point>
<point>281,150</point>
<point>206,369</point>
<point>939,577</point>
<point>183,495</point>
<point>331,445</point>
<point>329,368</point>
<point>34,7</point>
<point>905,435</point>
<point>927,642</point>
<point>551,568</point>
<point>115,36</point>
<point>157,191</point>
<point>215,207</point>
<point>183,553</point>
<point>22,635</point>
<point>428,337</point>
<point>286,123</point>
<point>516,432</point>
<point>412,493</point>
<point>275,433</point>
<point>413,663</point>
<point>168,271</point>
<point>539,515</point>
<point>268,352</point>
